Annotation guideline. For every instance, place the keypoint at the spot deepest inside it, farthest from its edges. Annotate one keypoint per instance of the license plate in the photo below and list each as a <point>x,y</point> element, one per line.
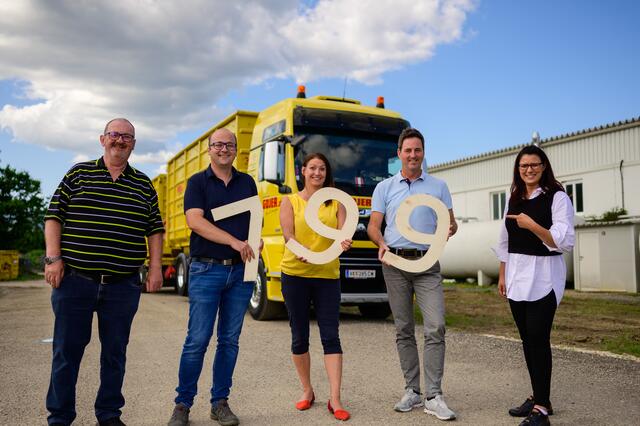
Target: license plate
<point>360,274</point>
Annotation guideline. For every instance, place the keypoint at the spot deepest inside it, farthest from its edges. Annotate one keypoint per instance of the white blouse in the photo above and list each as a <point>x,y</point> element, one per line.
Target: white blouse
<point>530,278</point>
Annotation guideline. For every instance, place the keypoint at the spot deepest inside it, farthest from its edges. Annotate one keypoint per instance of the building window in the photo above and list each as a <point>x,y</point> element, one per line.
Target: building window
<point>574,191</point>
<point>498,201</point>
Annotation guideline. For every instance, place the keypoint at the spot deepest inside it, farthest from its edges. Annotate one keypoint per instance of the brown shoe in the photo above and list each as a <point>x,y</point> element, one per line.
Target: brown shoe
<point>180,416</point>
<point>221,412</point>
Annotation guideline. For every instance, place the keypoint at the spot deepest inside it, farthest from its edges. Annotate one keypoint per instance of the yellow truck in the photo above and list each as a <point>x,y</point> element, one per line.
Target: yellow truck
<point>359,141</point>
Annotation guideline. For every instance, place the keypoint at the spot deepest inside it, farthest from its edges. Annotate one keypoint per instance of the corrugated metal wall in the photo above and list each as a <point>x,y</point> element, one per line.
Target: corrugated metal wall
<point>593,157</point>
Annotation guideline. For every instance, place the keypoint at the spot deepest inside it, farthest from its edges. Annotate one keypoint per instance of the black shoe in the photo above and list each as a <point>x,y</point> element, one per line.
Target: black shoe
<point>525,409</point>
<point>113,421</point>
<point>536,418</point>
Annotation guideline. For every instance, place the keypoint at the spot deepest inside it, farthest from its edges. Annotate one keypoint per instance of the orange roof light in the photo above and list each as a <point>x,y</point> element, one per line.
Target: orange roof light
<point>380,102</point>
<point>301,92</point>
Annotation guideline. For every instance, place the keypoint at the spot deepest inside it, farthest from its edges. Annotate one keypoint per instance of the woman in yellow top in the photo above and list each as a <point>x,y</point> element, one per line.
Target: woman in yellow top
<point>304,283</point>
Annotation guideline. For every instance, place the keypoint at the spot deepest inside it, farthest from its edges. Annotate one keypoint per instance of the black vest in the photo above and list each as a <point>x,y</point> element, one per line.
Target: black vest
<point>524,241</point>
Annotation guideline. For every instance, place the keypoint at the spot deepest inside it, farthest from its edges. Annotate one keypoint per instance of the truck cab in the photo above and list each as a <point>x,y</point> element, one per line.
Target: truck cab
<point>361,144</point>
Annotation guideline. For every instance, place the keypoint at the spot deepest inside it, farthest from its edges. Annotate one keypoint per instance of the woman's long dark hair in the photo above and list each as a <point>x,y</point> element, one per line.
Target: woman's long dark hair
<point>328,180</point>
<point>548,181</point>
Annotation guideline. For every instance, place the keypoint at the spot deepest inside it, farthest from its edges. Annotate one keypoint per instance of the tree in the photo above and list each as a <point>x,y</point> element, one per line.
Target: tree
<point>22,211</point>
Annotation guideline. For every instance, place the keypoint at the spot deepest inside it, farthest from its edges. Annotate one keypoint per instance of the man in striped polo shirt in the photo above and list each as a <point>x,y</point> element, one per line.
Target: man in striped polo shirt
<point>100,220</point>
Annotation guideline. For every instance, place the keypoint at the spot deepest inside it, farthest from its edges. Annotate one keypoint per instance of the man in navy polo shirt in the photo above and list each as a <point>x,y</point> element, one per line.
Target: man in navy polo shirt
<point>218,252</point>
<point>402,285</point>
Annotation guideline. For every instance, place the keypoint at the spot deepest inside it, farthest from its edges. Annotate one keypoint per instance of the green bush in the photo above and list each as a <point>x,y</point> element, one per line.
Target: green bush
<point>613,214</point>
<point>31,262</point>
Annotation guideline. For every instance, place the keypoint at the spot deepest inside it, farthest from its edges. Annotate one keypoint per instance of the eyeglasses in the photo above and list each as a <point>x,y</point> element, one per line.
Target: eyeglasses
<point>219,145</point>
<point>534,166</point>
<point>126,137</point>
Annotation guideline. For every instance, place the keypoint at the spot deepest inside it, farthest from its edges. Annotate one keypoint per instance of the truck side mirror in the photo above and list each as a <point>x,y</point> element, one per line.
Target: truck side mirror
<point>273,164</point>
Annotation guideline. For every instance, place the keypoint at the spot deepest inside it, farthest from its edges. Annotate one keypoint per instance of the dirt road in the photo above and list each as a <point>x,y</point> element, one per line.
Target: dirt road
<point>483,375</point>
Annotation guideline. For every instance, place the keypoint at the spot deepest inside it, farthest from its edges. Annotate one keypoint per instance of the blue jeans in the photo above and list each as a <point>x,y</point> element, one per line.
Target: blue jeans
<point>213,289</point>
<point>74,303</point>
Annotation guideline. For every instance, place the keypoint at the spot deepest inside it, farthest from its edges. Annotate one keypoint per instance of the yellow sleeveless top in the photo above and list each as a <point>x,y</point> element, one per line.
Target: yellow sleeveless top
<point>306,236</point>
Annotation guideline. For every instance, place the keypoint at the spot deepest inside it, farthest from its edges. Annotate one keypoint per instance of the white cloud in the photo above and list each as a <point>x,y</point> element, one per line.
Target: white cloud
<point>159,157</point>
<point>164,64</point>
<point>79,158</point>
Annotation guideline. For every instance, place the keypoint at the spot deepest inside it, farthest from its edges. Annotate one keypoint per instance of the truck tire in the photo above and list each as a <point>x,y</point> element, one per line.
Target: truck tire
<point>142,273</point>
<point>182,275</point>
<point>260,307</point>
<point>375,310</point>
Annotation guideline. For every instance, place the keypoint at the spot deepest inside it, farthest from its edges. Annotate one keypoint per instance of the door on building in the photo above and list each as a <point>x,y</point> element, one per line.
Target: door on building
<point>589,260</point>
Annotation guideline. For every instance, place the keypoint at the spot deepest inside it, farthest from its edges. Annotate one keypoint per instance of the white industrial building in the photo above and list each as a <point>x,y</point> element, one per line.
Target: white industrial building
<point>600,169</point>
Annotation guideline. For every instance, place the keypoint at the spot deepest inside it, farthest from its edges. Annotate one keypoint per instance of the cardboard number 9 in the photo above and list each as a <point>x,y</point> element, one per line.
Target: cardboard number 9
<point>338,235</point>
<point>436,240</point>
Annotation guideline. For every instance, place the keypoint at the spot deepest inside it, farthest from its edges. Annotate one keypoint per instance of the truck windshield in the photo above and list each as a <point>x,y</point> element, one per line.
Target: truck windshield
<point>358,163</point>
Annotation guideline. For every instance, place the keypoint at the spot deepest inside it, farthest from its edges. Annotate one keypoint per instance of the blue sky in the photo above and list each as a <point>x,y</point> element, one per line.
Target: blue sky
<point>507,69</point>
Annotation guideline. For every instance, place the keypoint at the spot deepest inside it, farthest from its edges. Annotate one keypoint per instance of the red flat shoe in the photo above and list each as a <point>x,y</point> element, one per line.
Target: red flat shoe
<point>305,404</point>
<point>342,415</point>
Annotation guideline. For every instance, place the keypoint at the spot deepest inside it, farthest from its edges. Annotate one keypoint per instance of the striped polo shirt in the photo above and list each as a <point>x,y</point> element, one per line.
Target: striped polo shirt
<point>104,223</point>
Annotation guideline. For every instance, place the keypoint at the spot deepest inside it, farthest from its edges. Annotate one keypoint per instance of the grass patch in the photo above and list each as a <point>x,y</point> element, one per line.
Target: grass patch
<point>600,321</point>
<point>29,276</point>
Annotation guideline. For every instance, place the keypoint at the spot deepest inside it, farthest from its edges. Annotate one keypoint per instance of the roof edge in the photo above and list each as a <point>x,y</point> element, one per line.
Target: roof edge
<point>606,128</point>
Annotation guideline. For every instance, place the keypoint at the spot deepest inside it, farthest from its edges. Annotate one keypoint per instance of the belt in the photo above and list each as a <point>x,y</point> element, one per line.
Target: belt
<point>97,278</point>
<point>225,262</point>
<point>407,252</point>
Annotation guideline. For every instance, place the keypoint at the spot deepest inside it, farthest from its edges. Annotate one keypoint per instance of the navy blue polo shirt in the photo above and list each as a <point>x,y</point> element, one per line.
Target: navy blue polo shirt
<point>206,191</point>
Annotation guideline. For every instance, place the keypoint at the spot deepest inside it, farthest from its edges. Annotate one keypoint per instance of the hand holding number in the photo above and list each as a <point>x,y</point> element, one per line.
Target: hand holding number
<point>243,247</point>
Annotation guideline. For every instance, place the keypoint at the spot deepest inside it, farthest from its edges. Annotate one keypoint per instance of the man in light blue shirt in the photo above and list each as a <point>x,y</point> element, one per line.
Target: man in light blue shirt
<point>402,286</point>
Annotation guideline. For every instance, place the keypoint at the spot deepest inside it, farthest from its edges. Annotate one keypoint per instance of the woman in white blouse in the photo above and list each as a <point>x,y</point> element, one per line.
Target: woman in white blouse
<point>538,228</point>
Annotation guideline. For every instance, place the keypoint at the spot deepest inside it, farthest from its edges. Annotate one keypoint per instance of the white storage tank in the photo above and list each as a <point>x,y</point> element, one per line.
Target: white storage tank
<point>469,254</point>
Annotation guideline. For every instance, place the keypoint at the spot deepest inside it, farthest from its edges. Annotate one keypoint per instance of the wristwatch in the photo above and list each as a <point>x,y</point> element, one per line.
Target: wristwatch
<point>51,259</point>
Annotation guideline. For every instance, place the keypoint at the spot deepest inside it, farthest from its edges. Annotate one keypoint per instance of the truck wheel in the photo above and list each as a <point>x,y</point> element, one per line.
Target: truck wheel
<point>375,310</point>
<point>260,307</point>
<point>182,275</point>
<point>143,272</point>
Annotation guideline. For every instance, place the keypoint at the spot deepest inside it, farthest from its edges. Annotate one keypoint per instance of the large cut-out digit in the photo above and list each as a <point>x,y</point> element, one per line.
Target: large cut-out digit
<point>338,235</point>
<point>436,240</point>
<point>254,207</point>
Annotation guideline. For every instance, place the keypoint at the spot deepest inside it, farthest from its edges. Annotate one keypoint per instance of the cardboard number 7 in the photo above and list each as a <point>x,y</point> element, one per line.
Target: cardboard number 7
<point>338,235</point>
<point>436,240</point>
<point>254,207</point>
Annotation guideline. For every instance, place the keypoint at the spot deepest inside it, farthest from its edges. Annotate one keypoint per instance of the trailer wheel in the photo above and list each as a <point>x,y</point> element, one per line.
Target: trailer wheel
<point>260,307</point>
<point>375,310</point>
<point>182,275</point>
<point>142,273</point>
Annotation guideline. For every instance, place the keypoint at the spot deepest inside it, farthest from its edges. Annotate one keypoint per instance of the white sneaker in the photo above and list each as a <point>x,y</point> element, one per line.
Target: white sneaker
<point>438,408</point>
<point>409,401</point>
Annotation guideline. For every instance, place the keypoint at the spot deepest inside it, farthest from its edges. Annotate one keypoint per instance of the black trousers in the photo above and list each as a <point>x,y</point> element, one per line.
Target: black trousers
<point>534,321</point>
<point>299,293</point>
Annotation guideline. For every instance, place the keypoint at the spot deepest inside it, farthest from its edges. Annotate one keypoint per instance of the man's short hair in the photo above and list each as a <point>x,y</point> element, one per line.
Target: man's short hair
<point>118,119</point>
<point>410,132</point>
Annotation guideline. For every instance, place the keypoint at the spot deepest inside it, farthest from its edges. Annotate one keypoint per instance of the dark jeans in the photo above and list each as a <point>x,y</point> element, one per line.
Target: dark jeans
<point>74,303</point>
<point>534,321</point>
<point>298,294</point>
<point>213,290</point>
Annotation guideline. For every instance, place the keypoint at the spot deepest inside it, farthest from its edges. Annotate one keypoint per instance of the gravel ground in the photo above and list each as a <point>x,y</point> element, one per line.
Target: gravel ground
<point>483,375</point>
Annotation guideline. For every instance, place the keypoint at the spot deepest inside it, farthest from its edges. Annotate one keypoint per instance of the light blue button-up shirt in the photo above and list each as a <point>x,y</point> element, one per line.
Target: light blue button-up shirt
<point>392,191</point>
